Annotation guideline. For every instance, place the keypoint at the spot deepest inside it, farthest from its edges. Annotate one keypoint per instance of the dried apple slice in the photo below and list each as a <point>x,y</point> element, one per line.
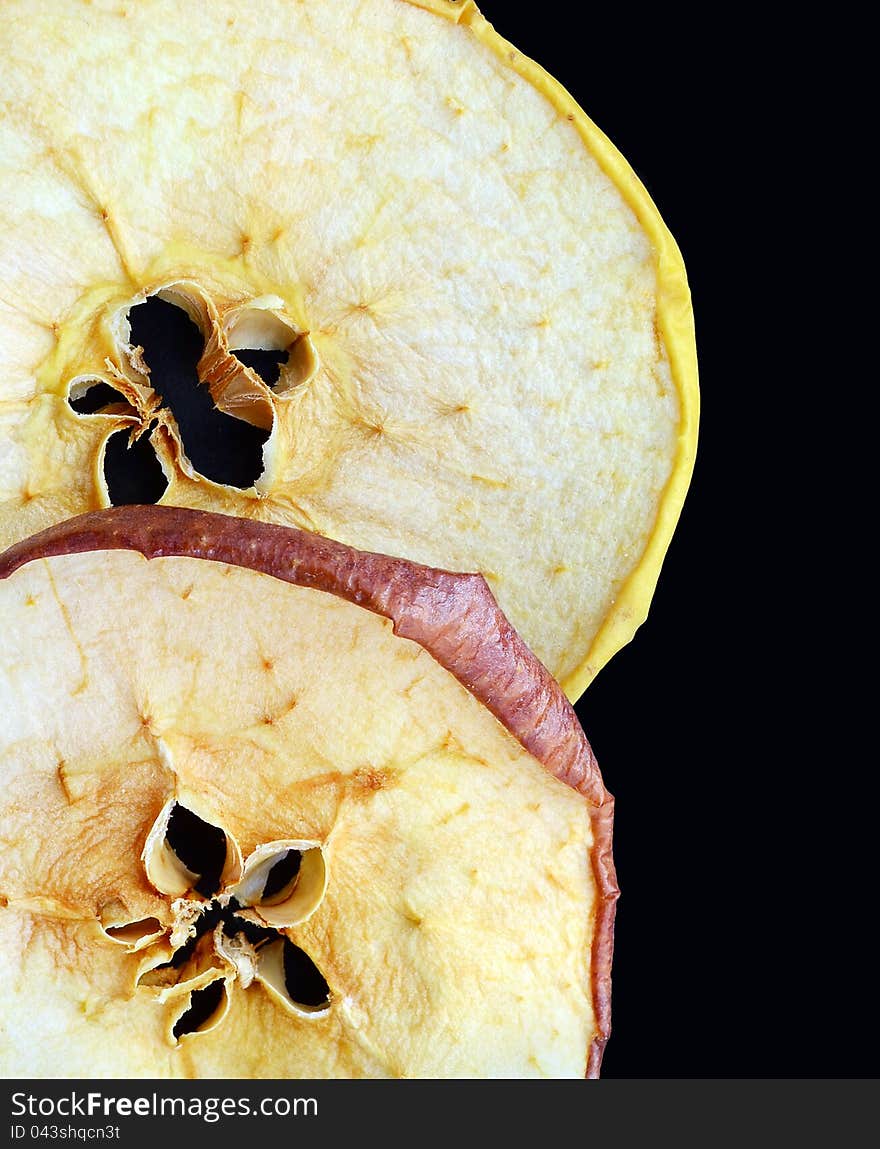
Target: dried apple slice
<point>488,332</point>
<point>275,807</point>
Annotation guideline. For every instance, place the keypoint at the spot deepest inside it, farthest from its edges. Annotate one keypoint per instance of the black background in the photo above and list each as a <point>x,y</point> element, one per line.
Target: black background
<point>725,729</point>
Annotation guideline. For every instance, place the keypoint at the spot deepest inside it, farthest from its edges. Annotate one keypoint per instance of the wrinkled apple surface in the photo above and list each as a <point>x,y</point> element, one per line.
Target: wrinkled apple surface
<point>263,822</point>
<point>488,328</point>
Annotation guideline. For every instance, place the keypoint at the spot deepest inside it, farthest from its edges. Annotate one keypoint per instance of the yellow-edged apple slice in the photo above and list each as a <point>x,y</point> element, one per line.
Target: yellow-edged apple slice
<point>492,363</point>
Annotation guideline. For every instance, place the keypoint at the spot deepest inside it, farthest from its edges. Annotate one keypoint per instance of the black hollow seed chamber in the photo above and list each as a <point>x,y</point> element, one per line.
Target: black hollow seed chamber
<point>304,982</point>
<point>203,1004</point>
<point>97,397</point>
<point>200,846</point>
<point>282,874</point>
<point>132,472</point>
<point>220,447</point>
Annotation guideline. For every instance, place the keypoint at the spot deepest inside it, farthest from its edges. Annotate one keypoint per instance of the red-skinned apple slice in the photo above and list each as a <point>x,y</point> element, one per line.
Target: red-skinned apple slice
<point>177,682</point>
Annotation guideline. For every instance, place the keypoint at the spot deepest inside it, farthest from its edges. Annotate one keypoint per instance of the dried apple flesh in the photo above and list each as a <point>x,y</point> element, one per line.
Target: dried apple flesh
<point>490,349</point>
<point>453,911</point>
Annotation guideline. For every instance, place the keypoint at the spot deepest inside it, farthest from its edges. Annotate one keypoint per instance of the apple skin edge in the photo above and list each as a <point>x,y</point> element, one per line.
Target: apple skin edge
<point>454,617</point>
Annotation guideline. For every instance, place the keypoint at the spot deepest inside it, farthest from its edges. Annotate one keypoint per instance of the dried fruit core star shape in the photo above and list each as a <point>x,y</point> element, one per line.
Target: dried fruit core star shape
<point>228,922</point>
